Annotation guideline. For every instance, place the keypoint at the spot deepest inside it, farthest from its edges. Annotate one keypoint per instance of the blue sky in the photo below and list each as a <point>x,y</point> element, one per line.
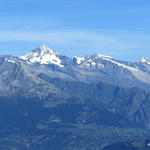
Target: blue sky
<point>118,28</point>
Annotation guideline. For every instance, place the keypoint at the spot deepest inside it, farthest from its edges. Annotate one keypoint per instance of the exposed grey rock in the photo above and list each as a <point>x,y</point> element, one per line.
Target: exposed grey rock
<point>71,102</point>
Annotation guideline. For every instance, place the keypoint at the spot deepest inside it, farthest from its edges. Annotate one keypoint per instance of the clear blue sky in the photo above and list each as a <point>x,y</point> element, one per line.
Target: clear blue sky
<point>119,28</point>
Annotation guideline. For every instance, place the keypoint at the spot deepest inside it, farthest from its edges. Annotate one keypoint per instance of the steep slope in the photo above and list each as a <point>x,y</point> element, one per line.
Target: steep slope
<point>17,79</point>
<point>133,103</point>
<point>91,77</point>
<point>92,68</point>
<point>50,101</point>
<point>43,55</point>
<point>98,77</point>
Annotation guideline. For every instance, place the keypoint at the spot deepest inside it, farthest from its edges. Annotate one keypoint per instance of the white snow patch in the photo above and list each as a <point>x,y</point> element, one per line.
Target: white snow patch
<point>142,76</point>
<point>90,60</point>
<point>11,61</point>
<point>43,55</point>
<point>100,65</point>
<point>101,56</point>
<point>145,60</point>
<point>93,63</point>
<point>79,59</point>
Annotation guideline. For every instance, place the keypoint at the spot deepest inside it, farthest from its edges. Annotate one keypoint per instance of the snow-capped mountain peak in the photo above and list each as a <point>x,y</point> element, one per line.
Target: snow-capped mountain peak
<point>145,60</point>
<point>79,60</point>
<point>44,49</point>
<point>43,55</point>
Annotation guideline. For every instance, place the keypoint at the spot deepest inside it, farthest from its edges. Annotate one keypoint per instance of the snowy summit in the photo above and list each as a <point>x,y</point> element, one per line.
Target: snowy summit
<point>145,60</point>
<point>43,55</point>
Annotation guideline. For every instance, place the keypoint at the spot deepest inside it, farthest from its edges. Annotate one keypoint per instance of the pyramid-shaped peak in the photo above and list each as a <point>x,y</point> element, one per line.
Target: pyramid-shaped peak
<point>43,55</point>
<point>44,49</point>
<point>145,60</point>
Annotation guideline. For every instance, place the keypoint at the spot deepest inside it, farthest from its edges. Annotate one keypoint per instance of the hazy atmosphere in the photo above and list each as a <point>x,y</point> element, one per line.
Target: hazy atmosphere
<point>75,75</point>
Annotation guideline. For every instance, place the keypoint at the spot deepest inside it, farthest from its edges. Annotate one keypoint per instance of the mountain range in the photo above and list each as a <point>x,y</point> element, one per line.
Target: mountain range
<point>51,101</point>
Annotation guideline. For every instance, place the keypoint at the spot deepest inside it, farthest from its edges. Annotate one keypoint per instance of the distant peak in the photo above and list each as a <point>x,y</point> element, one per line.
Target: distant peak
<point>43,55</point>
<point>44,49</point>
<point>79,60</point>
<point>145,60</point>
